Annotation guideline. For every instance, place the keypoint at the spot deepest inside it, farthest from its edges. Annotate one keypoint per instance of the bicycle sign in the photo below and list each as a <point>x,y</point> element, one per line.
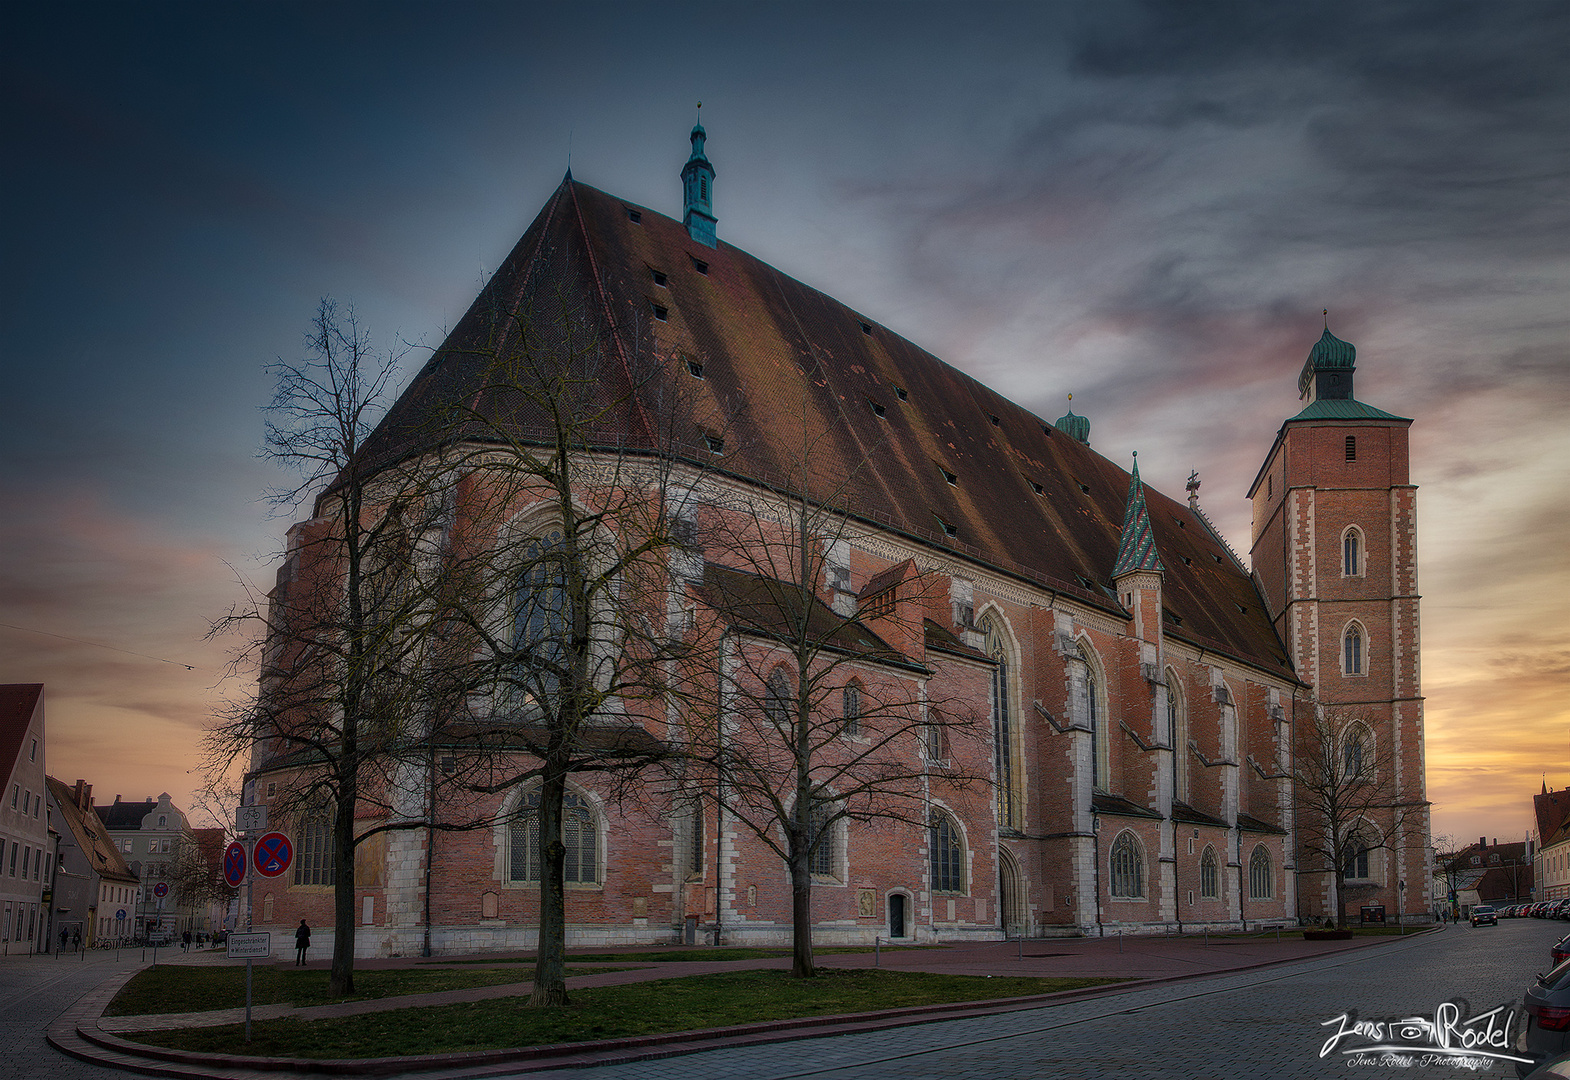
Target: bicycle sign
<point>273,855</point>
<point>234,864</point>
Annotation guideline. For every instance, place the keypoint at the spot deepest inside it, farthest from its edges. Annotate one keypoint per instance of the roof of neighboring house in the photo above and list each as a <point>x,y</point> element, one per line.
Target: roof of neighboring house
<point>1552,809</point>
<point>90,833</point>
<point>18,702</point>
<point>122,816</point>
<point>757,375</point>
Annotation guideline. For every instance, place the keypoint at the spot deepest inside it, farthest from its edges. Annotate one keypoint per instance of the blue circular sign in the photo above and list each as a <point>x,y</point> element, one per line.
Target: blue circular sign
<point>273,855</point>
<point>120,914</point>
<point>234,864</point>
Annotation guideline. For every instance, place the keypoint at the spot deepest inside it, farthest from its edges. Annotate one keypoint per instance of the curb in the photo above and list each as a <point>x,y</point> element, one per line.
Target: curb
<point>77,1033</point>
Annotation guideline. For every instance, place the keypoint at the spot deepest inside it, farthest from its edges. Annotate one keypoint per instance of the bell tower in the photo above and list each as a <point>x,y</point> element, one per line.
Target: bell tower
<point>1334,552</point>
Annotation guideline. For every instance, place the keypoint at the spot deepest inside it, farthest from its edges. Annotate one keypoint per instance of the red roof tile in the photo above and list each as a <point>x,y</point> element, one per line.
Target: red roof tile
<point>789,374</point>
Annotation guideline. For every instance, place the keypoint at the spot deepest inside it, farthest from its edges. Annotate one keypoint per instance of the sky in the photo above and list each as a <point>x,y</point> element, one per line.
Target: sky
<point>1147,205</point>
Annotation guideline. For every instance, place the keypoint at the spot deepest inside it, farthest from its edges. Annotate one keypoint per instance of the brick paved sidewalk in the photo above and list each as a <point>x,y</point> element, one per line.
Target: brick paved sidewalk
<point>85,1033</point>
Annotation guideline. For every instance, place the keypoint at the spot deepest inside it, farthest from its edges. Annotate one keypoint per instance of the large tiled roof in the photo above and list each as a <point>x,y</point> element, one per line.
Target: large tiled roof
<point>122,816</point>
<point>790,375</point>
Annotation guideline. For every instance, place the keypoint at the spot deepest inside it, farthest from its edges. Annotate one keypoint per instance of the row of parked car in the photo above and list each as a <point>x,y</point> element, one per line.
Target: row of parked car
<point>1543,909</point>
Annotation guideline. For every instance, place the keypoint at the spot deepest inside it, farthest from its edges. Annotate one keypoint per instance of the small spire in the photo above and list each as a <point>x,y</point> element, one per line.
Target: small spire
<point>1192,487</point>
<point>1327,320</point>
<point>1137,548</point>
<point>697,182</point>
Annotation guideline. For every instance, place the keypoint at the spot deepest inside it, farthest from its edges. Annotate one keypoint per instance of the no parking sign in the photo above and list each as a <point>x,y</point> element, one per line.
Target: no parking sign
<point>273,855</point>
<point>234,864</point>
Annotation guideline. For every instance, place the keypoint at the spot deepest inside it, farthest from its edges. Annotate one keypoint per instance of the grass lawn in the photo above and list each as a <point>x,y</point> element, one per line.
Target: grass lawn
<point>607,1012</point>
<point>177,989</point>
<point>705,955</point>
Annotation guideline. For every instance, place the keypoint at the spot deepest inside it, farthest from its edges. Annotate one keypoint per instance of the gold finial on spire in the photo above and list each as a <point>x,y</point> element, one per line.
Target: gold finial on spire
<point>1327,318</point>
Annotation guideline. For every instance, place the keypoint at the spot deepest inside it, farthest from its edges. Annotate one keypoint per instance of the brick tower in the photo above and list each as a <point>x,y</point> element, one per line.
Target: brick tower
<point>1334,552</point>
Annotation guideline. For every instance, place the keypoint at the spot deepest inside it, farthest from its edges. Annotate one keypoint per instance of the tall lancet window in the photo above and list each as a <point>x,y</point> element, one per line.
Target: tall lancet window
<point>1177,726</point>
<point>1002,722</point>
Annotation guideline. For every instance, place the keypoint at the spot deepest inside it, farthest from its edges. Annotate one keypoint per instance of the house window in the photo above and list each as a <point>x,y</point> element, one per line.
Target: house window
<point>715,444</point>
<point>661,313</point>
<point>1352,553</point>
<point>580,836</point>
<point>1261,875</point>
<point>1352,651</point>
<point>694,369</point>
<point>313,863</point>
<point>1128,867</point>
<point>1351,447</point>
<point>1209,876</point>
<point>659,278</point>
<point>32,753</point>
<point>852,710</point>
<point>948,854</point>
<point>1002,720</point>
<point>542,617</point>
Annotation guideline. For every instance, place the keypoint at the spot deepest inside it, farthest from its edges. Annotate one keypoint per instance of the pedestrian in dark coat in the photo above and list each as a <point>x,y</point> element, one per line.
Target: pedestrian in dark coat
<point>302,941</point>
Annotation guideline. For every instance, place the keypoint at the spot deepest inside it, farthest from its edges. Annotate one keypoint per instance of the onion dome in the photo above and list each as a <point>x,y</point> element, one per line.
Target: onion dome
<point>1075,427</point>
<point>1328,369</point>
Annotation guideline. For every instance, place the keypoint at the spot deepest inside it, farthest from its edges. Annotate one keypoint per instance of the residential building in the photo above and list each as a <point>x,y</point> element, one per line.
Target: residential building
<point>24,826</point>
<point>95,893</point>
<point>153,836</point>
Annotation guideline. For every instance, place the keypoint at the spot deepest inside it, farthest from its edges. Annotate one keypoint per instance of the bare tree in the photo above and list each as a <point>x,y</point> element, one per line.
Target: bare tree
<point>1349,804</point>
<point>822,715</point>
<point>560,590</point>
<point>342,640</point>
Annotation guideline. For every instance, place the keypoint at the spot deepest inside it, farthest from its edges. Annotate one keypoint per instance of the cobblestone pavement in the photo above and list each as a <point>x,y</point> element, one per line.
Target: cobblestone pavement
<point>36,989</point>
<point>1264,1023</point>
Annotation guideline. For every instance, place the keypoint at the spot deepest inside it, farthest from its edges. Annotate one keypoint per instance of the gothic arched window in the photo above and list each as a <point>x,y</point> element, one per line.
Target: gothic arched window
<point>579,833</point>
<point>1177,727</point>
<point>1002,721</point>
<point>1261,875</point>
<point>1128,867</point>
<point>542,617</point>
<point>1355,865</point>
<point>1209,875</point>
<point>1352,658</point>
<point>948,854</point>
<point>1352,552</point>
<point>313,865</point>
<point>777,700</point>
<point>822,833</point>
<point>852,710</point>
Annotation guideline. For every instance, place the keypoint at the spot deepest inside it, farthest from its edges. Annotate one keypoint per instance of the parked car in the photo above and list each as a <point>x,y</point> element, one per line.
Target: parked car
<point>1561,950</point>
<point>1545,1027</point>
<point>1483,915</point>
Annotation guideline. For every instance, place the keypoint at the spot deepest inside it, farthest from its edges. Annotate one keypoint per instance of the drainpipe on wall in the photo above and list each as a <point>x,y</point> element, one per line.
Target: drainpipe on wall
<point>430,846</point>
<point>1095,844</point>
<point>719,801</point>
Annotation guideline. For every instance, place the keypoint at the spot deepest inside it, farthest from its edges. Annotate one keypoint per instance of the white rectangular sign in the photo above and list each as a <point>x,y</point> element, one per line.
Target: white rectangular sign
<point>249,819</point>
<point>250,946</point>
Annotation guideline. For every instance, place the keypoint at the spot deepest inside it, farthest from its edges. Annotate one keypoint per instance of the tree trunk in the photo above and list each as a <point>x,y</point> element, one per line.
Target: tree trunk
<point>801,963</point>
<point>550,970</point>
<point>340,979</point>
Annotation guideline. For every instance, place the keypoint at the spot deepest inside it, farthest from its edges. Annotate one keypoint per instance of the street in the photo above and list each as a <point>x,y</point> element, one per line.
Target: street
<point>1265,1023</point>
<point>36,989</point>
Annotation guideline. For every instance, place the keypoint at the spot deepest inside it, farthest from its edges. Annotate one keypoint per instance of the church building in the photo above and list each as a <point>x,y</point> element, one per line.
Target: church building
<point>1135,688</point>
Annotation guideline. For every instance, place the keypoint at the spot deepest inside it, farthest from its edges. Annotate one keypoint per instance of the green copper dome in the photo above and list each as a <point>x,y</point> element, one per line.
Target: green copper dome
<point>1075,427</point>
<point>1328,369</point>
<point>1331,352</point>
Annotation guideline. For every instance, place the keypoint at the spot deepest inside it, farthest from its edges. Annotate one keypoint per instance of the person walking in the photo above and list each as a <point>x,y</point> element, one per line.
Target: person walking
<point>185,941</point>
<point>302,941</point>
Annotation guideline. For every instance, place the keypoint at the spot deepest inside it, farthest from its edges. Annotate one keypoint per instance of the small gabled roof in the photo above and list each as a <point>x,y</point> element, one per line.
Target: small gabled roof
<point>775,609</point>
